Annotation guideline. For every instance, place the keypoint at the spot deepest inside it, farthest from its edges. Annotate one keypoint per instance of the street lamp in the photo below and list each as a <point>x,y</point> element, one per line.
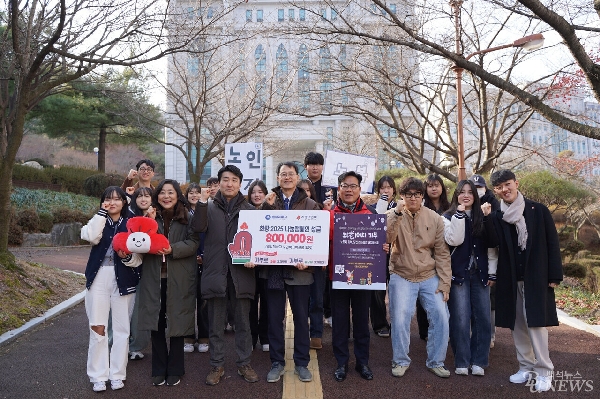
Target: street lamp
<point>528,43</point>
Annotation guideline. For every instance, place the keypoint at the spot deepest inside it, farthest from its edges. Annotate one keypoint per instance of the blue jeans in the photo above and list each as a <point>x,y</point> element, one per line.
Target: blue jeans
<point>470,329</point>
<point>315,307</point>
<point>403,295</point>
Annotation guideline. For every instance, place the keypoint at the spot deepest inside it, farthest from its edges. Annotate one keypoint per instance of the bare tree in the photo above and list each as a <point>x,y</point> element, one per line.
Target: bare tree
<point>47,43</point>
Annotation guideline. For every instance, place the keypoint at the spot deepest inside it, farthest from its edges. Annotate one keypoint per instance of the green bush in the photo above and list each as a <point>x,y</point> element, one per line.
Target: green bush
<point>95,185</point>
<point>544,187</point>
<point>15,232</point>
<point>575,270</point>
<point>27,173</point>
<point>29,220</point>
<point>47,201</point>
<point>572,247</point>
<point>46,222</point>
<point>71,178</point>
<point>68,215</point>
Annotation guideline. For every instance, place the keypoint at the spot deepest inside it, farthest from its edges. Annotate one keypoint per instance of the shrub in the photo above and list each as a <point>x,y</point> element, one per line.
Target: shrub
<point>572,247</point>
<point>15,232</point>
<point>95,185</point>
<point>27,173</point>
<point>47,201</point>
<point>71,178</point>
<point>575,270</point>
<point>592,282</point>
<point>582,254</point>
<point>46,222</point>
<point>29,220</point>
<point>68,215</point>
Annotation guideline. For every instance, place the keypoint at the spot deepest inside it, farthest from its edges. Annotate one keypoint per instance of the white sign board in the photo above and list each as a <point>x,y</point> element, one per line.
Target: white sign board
<point>337,163</point>
<point>247,157</point>
<point>281,238</point>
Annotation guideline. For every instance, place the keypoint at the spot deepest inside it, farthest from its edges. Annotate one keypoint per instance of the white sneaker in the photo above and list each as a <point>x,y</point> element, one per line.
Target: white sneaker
<point>491,344</point>
<point>265,348</point>
<point>520,377</point>
<point>476,370</point>
<point>461,371</point>
<point>99,386</point>
<point>116,384</point>
<point>136,355</point>
<point>202,348</point>
<point>328,321</point>
<point>543,383</point>
<point>188,348</point>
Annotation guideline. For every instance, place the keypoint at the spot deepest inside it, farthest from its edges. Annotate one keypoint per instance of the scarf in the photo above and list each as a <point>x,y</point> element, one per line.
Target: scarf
<point>513,214</point>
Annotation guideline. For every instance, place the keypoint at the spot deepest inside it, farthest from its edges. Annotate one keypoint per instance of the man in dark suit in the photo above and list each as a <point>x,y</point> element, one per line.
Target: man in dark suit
<point>529,267</point>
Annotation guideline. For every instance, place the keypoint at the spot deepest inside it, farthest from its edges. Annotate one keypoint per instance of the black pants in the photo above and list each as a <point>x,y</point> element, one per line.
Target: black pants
<point>258,313</point>
<point>378,308</point>
<point>164,361</point>
<point>422,320</point>
<point>341,302</point>
<point>298,296</point>
<point>327,297</point>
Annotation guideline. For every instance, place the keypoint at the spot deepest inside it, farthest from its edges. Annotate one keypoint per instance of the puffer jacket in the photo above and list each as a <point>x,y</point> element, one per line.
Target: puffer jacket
<point>181,280</point>
<point>222,224</point>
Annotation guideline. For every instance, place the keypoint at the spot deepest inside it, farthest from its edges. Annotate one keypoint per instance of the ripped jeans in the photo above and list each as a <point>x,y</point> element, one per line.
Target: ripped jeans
<point>105,364</point>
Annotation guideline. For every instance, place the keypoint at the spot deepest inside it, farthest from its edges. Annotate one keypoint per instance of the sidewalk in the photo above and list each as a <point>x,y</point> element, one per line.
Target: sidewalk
<point>50,361</point>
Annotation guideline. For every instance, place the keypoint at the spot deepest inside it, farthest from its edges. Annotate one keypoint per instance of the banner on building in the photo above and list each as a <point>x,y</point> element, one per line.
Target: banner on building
<point>359,261</point>
<point>281,238</point>
<point>247,157</point>
<point>337,163</point>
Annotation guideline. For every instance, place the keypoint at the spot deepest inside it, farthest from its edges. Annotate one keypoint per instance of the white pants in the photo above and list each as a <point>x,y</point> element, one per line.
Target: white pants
<point>103,296</point>
<point>531,343</point>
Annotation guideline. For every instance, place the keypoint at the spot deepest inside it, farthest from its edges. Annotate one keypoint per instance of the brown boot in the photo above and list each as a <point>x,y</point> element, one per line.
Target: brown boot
<point>248,373</point>
<point>215,375</point>
<point>315,343</point>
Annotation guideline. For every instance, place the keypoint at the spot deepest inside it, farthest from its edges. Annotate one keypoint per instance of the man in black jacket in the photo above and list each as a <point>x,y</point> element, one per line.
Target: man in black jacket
<point>529,268</point>
<point>222,281</point>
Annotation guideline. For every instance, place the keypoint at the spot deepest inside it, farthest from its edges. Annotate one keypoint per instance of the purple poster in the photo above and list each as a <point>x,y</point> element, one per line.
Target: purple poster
<point>359,261</point>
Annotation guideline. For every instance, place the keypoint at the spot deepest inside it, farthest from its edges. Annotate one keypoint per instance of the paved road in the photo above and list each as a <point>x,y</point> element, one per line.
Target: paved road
<point>50,362</point>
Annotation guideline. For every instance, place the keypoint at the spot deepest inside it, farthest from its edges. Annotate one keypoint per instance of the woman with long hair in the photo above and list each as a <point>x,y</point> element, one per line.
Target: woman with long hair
<point>111,280</point>
<point>259,306</point>
<point>168,284</point>
<point>470,234</point>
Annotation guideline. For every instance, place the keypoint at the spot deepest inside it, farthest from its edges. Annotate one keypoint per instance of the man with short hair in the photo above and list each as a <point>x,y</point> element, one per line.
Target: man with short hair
<point>144,172</point>
<point>349,202</point>
<point>293,280</point>
<point>529,268</point>
<point>222,281</point>
<point>213,186</point>
<point>319,305</point>
<point>419,267</point>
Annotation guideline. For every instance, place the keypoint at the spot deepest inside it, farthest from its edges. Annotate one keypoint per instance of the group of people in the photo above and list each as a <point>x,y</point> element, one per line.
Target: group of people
<point>443,257</point>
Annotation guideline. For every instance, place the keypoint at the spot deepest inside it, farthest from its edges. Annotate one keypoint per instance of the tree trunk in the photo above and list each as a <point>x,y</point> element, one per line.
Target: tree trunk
<point>102,150</point>
<point>6,168</point>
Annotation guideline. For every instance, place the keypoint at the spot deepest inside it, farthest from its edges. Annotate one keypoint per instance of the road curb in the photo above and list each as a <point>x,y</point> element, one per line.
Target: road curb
<point>576,323</point>
<point>49,314</point>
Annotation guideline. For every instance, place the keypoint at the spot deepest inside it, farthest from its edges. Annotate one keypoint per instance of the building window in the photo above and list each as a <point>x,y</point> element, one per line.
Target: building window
<point>334,14</point>
<point>259,15</point>
<point>325,87</point>
<point>260,59</point>
<point>280,15</point>
<point>323,13</point>
<point>190,13</point>
<point>303,78</point>
<point>248,15</point>
<point>291,13</point>
<point>210,13</point>
<point>392,8</point>
<point>193,64</point>
<point>344,86</point>
<point>302,14</point>
<point>281,74</point>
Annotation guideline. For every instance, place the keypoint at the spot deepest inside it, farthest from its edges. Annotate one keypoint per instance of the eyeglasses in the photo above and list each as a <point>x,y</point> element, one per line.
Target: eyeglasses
<point>413,195</point>
<point>344,186</point>
<point>144,170</point>
<point>286,175</point>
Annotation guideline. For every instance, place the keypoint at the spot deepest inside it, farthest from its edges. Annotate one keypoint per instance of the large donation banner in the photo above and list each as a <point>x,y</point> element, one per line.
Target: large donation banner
<point>359,261</point>
<point>281,238</point>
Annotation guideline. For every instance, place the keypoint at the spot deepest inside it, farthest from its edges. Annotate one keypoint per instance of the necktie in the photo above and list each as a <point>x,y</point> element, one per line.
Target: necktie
<point>286,203</point>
